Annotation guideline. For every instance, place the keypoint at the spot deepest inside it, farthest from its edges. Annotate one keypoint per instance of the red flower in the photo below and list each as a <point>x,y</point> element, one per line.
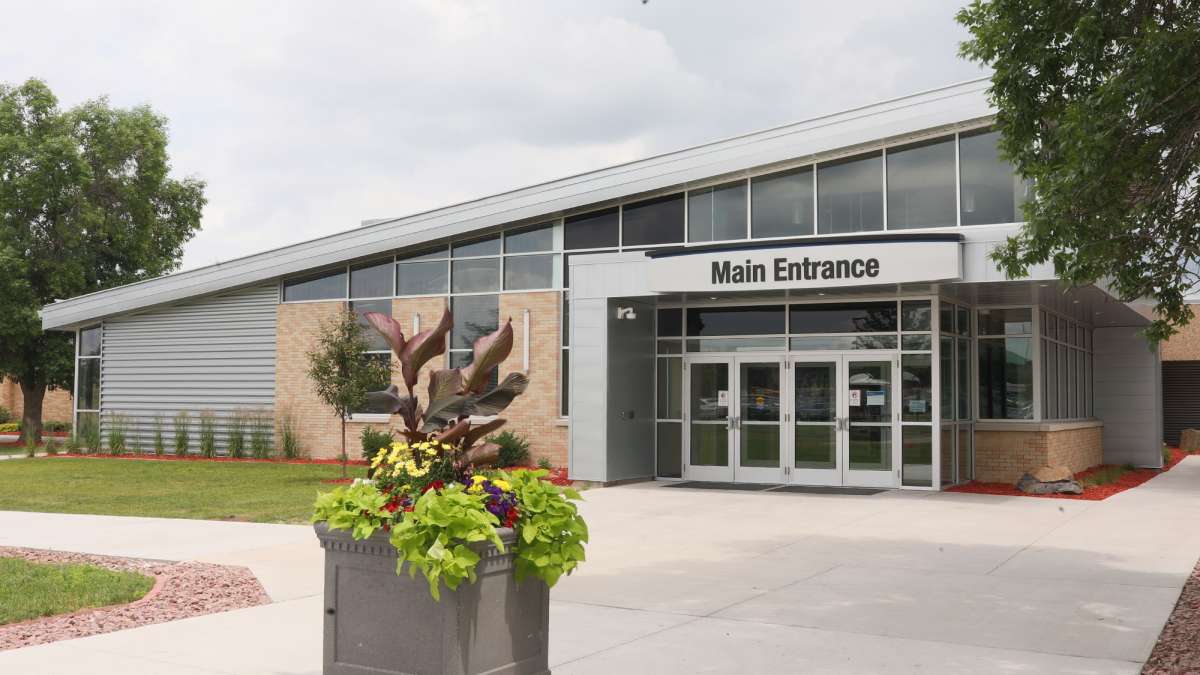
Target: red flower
<point>435,485</point>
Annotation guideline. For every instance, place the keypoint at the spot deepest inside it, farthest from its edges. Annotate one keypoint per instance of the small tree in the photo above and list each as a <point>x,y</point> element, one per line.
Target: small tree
<point>341,373</point>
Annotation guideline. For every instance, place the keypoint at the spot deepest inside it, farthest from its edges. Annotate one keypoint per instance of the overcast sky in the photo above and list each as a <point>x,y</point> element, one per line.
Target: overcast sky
<point>305,118</point>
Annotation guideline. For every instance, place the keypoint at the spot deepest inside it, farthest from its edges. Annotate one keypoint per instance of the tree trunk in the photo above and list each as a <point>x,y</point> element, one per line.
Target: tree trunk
<point>31,415</point>
<point>343,446</point>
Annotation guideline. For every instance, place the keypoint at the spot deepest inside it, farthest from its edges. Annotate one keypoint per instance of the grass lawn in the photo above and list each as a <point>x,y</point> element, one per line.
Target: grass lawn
<point>258,492</point>
<point>31,590</point>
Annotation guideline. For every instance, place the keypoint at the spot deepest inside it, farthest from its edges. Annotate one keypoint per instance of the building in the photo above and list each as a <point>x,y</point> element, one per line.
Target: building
<point>56,406</point>
<point>808,304</point>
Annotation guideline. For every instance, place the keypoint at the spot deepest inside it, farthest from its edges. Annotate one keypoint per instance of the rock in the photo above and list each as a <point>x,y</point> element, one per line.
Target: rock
<point>1029,484</point>
<point>1189,440</point>
<point>1053,474</point>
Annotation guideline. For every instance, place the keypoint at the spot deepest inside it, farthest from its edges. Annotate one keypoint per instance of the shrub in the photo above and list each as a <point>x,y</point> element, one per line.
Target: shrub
<point>89,433</point>
<point>260,434</point>
<point>118,431</point>
<point>159,442</point>
<point>56,426</point>
<point>514,449</point>
<point>51,447</point>
<point>289,436</point>
<point>374,440</point>
<point>208,434</point>
<point>1166,455</point>
<point>236,430</point>
<point>1105,475</point>
<point>71,445</point>
<point>5,415</point>
<point>544,463</point>
<point>10,428</point>
<point>183,432</point>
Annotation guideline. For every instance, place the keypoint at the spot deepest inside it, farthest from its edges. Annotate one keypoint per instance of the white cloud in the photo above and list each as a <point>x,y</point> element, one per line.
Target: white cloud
<point>305,118</point>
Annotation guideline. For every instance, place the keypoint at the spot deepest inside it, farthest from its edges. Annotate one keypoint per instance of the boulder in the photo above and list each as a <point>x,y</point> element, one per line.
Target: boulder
<point>1029,484</point>
<point>1053,474</point>
<point>1189,440</point>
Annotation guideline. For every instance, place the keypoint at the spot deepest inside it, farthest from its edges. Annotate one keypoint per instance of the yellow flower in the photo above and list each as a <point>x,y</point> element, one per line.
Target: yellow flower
<point>477,479</point>
<point>503,485</point>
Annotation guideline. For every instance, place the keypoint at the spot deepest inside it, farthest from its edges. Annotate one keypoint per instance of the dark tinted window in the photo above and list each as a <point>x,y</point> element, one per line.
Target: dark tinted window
<point>474,317</point>
<point>374,337</point>
<point>858,317</point>
<point>917,316</point>
<point>598,229</point>
<point>528,271</point>
<point>1013,321</point>
<point>89,341</point>
<point>438,253</point>
<point>670,322</point>
<point>920,186</point>
<point>717,213</point>
<point>488,246</point>
<point>654,221</point>
<point>782,204</point>
<point>423,278</point>
<point>371,280</point>
<point>540,238</point>
<point>752,320</point>
<point>323,286</point>
<point>850,195</point>
<point>88,386</point>
<point>991,190</point>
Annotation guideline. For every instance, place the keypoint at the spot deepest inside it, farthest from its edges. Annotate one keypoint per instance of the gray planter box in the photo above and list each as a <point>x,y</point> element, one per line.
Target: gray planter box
<point>379,623</point>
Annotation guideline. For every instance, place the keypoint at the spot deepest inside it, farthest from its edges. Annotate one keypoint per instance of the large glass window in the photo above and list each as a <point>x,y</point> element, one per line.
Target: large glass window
<point>1005,376</point>
<point>371,280</point>
<point>474,317</point>
<point>598,229</point>
<point>920,185</point>
<point>991,190</point>
<point>87,379</point>
<point>423,273</point>
<point>916,387</point>
<point>752,320</point>
<point>531,240</point>
<point>476,248</point>
<point>475,275</point>
<point>856,317</point>
<point>328,285</point>
<point>850,195</point>
<point>782,204</point>
<point>654,221</point>
<point>717,213</point>
<point>377,347</point>
<point>523,272</point>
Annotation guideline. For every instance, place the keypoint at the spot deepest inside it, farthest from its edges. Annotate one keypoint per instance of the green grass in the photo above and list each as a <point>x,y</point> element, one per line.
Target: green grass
<point>1106,474</point>
<point>31,590</point>
<point>257,492</point>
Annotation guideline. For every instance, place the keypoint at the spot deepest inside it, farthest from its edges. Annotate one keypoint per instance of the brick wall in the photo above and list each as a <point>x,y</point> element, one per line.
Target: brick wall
<point>56,406</point>
<point>1003,456</point>
<point>1184,345</point>
<point>532,415</point>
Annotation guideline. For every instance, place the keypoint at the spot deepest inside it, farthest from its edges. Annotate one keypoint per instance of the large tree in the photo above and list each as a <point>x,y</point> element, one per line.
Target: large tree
<point>86,203</point>
<point>1099,104</point>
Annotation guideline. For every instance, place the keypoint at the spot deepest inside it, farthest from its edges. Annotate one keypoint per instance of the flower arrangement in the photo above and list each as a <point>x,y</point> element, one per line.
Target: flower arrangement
<point>435,492</point>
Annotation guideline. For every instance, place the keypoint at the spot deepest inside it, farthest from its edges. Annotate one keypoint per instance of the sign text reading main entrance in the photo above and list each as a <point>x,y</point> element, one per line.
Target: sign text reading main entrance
<point>784,270</point>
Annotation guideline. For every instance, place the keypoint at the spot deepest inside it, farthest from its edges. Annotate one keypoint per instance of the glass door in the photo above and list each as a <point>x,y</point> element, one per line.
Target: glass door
<point>869,421</point>
<point>710,424</point>
<point>757,422</point>
<point>816,421</point>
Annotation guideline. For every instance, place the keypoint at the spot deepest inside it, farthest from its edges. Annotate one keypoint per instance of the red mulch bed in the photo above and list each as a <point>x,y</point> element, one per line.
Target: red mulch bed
<point>1129,479</point>
<point>198,458</point>
<point>1178,649</point>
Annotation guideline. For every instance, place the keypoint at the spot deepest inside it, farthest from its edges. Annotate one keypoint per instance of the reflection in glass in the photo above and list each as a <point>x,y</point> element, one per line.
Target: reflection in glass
<point>916,449</point>
<point>872,380</point>
<point>963,372</point>
<point>837,342</point>
<point>850,196</point>
<point>1008,321</point>
<point>991,190</point>
<point>947,452</point>
<point>528,271</point>
<point>438,253</point>
<point>917,343</point>
<point>598,229</point>
<point>916,387</point>
<point>710,445</point>
<point>89,341</point>
<point>372,280</point>
<point>920,186</point>
<point>915,316</point>
<point>759,445</point>
<point>870,448</point>
<point>375,339</point>
<point>474,317</point>
<point>88,385</point>
<point>708,381</point>
<point>321,286</point>
<point>422,278</point>
<point>538,238</point>
<point>815,410</point>
<point>717,213</point>
<point>486,246</point>
<point>782,204</point>
<point>850,317</point>
<point>750,320</point>
<point>966,453</point>
<point>1006,378</point>
<point>653,221</point>
<point>475,275</point>
<point>670,384</point>
<point>736,345</point>
<point>669,449</point>
<point>946,375</point>
<point>816,446</point>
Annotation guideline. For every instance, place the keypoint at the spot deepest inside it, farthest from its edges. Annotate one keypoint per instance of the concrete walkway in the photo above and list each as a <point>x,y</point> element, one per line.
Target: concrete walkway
<point>701,581</point>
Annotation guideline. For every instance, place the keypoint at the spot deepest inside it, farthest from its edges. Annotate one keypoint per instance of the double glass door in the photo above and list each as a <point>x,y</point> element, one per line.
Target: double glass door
<point>828,419</point>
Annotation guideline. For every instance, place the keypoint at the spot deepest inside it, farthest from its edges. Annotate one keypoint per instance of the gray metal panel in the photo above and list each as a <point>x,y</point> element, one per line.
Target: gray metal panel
<point>944,107</point>
<point>630,438</point>
<point>1127,396</point>
<point>588,389</point>
<point>211,354</point>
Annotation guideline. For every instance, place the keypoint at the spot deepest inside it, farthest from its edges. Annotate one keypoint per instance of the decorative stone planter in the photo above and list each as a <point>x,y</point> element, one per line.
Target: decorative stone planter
<point>381,623</point>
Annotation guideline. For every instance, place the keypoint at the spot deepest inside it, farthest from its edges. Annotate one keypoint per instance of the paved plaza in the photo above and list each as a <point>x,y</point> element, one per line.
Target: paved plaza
<point>704,581</point>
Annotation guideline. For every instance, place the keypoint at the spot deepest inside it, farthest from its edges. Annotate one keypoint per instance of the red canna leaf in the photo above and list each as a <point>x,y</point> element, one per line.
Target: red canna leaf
<point>423,347</point>
<point>389,329</point>
<point>490,352</point>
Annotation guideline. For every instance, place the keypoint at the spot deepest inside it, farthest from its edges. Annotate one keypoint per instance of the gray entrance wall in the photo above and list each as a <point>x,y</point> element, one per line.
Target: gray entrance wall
<point>1128,396</point>
<point>630,418</point>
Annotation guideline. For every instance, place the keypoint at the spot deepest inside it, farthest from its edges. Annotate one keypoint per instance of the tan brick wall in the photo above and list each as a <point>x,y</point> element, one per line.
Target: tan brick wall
<point>1003,456</point>
<point>533,414</point>
<point>56,406</point>
<point>1184,345</point>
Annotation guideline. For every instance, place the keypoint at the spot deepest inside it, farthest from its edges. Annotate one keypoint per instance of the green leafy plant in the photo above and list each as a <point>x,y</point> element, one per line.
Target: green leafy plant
<point>56,426</point>
<point>159,441</point>
<point>208,433</point>
<point>89,433</point>
<point>552,533</point>
<point>182,427</point>
<point>289,435</point>
<point>514,448</point>
<point>236,434</point>
<point>5,415</point>
<point>544,463</point>
<point>10,428</point>
<point>260,434</point>
<point>433,537</point>
<point>118,433</point>
<point>357,507</point>
<point>1166,454</point>
<point>373,440</point>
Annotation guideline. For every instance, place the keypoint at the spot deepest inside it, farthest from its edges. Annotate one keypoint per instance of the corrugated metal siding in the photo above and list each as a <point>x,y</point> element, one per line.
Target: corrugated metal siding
<point>1181,406</point>
<point>212,354</point>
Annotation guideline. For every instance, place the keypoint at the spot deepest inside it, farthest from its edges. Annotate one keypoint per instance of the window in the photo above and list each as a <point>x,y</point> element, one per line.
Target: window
<point>920,186</point>
<point>598,229</point>
<point>532,240</point>
<point>475,275</point>
<point>328,285</point>
<point>654,221</point>
<point>523,272</point>
<point>371,280</point>
<point>717,213</point>
<point>424,273</point>
<point>474,317</point>
<point>476,248</point>
<point>782,204</point>
<point>858,317</point>
<point>850,195</point>
<point>1006,363</point>
<point>752,320</point>
<point>991,190</point>
<point>87,378</point>
<point>1066,365</point>
<point>378,348</point>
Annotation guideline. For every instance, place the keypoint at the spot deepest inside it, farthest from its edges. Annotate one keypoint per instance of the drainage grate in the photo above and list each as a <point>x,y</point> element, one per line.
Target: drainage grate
<point>705,485</point>
<point>818,490</point>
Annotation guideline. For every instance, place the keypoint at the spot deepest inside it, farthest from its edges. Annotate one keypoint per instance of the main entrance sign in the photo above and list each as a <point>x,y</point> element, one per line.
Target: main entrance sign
<point>829,266</point>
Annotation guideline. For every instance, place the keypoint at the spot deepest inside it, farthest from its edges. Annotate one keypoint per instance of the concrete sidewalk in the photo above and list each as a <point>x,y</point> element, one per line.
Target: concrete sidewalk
<point>686,581</point>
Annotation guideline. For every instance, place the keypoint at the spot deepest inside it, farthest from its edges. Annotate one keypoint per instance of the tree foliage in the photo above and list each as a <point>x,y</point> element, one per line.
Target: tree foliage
<point>86,203</point>
<point>1099,104</point>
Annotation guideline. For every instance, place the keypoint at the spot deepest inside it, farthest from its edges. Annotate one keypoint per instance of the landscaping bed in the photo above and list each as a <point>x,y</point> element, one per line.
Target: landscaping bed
<point>1118,480</point>
<point>1178,648</point>
<point>179,590</point>
<point>219,458</point>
